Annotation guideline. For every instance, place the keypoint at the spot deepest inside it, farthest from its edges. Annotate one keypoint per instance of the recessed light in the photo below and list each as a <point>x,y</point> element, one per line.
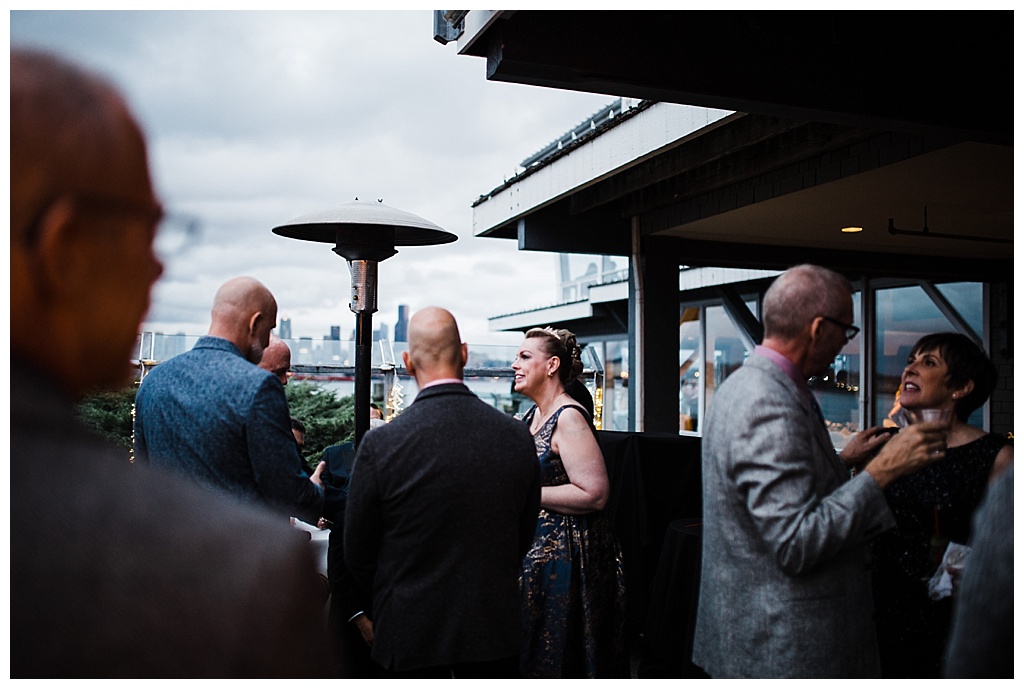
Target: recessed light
<point>852,229</point>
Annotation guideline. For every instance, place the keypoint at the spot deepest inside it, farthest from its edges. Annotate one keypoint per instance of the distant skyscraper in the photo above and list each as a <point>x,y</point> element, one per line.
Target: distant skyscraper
<point>381,333</point>
<point>402,326</point>
<point>284,331</point>
<point>335,332</point>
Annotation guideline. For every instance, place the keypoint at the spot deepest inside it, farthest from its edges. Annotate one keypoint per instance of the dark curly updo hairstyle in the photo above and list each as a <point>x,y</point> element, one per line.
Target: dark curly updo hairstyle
<point>561,343</point>
<point>965,361</point>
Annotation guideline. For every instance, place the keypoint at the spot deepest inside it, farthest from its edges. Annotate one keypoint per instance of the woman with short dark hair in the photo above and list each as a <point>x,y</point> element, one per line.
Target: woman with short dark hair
<point>934,506</point>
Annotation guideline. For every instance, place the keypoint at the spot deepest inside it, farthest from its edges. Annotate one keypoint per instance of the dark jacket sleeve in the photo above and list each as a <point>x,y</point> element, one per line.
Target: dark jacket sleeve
<point>363,527</point>
<point>336,477</point>
<point>348,597</point>
<point>274,457</point>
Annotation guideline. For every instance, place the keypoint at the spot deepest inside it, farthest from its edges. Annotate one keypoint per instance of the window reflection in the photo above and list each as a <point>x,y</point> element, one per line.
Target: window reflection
<point>725,350</point>
<point>615,416</point>
<point>967,297</point>
<point>689,369</point>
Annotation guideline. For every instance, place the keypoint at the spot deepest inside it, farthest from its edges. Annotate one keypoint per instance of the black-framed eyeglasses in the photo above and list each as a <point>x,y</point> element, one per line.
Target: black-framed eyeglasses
<point>849,330</point>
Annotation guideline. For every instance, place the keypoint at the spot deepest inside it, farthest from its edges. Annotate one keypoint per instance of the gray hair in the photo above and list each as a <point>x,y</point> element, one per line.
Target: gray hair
<point>799,295</point>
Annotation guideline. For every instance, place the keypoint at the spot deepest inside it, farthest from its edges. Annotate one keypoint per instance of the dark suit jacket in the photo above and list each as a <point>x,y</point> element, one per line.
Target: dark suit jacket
<point>347,597</point>
<point>339,460</point>
<point>120,570</point>
<point>442,507</point>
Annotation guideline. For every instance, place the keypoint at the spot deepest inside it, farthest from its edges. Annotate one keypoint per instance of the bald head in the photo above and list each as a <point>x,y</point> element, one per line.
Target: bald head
<point>244,312</point>
<point>799,295</point>
<point>804,312</point>
<point>71,132</point>
<point>81,203</point>
<point>277,358</point>
<point>435,348</point>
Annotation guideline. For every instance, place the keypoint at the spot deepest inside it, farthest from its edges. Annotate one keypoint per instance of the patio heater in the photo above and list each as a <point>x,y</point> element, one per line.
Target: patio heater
<point>364,233</point>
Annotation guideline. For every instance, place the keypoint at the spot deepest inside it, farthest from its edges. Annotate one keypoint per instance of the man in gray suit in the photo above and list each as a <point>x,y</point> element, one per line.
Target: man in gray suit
<point>442,507</point>
<point>117,570</point>
<point>784,588</point>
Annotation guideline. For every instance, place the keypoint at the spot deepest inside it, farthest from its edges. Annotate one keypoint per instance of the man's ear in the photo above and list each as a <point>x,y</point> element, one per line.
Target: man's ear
<point>465,354</point>
<point>253,321</point>
<point>815,328</point>
<point>61,260</point>
<point>407,360</point>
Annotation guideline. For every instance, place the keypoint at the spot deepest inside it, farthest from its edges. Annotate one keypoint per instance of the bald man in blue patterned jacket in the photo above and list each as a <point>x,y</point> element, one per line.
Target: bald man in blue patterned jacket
<point>214,416</point>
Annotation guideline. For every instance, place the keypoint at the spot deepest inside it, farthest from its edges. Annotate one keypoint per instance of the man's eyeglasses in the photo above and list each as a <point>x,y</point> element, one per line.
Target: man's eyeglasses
<point>174,231</point>
<point>849,330</point>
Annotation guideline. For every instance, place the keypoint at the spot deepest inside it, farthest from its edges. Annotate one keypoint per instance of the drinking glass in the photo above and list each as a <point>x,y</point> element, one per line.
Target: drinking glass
<point>943,416</point>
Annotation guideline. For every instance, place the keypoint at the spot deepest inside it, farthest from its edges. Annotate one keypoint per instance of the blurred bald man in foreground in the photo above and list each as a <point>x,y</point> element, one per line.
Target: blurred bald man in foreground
<point>441,509</point>
<point>116,570</point>
<point>212,415</point>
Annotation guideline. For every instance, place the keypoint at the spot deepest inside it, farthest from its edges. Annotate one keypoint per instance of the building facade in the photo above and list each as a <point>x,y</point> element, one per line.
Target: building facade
<point>674,312</point>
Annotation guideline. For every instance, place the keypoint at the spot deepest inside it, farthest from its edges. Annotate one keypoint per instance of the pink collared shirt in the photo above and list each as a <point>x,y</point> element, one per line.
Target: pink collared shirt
<point>441,381</point>
<point>787,366</point>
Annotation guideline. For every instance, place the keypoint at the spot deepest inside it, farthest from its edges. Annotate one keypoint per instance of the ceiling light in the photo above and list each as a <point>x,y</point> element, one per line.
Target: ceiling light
<point>852,229</point>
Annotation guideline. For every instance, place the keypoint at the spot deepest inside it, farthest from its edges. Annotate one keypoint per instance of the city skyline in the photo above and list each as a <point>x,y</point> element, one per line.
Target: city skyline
<point>284,331</point>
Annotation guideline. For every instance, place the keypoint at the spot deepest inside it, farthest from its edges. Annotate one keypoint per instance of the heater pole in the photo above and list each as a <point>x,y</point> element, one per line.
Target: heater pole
<point>364,335</point>
<point>364,234</point>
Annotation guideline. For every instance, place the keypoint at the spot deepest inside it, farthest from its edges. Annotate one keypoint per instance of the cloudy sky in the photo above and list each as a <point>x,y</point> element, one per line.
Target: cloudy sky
<point>256,118</point>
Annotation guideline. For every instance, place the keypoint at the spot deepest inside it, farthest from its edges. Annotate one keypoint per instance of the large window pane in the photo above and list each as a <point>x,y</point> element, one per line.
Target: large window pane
<point>615,413</point>
<point>725,351</point>
<point>689,369</point>
<point>966,298</point>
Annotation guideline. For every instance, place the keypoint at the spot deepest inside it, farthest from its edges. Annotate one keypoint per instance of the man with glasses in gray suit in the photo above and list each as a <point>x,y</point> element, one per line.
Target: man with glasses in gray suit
<point>785,590</point>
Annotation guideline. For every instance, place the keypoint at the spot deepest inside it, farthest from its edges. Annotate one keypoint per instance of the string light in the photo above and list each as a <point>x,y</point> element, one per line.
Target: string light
<point>393,404</point>
<point>131,450</point>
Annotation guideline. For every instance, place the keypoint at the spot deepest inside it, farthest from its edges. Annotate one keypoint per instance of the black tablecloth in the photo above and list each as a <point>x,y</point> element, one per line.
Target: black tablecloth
<point>672,613</point>
<point>655,479</point>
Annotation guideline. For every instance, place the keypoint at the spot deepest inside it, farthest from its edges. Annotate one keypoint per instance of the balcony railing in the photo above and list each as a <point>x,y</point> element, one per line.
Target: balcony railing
<point>488,371</point>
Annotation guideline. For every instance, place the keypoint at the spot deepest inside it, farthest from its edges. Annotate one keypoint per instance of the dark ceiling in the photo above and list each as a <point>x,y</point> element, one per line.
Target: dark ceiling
<point>942,81</point>
<point>922,71</point>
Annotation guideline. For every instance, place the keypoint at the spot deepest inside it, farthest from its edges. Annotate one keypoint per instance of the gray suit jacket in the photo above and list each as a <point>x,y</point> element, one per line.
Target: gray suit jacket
<point>442,507</point>
<point>784,587</point>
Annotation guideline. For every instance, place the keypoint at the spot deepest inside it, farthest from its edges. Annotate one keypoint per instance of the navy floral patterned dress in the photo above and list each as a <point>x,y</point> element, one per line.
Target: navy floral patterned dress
<point>932,507</point>
<point>574,601</point>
